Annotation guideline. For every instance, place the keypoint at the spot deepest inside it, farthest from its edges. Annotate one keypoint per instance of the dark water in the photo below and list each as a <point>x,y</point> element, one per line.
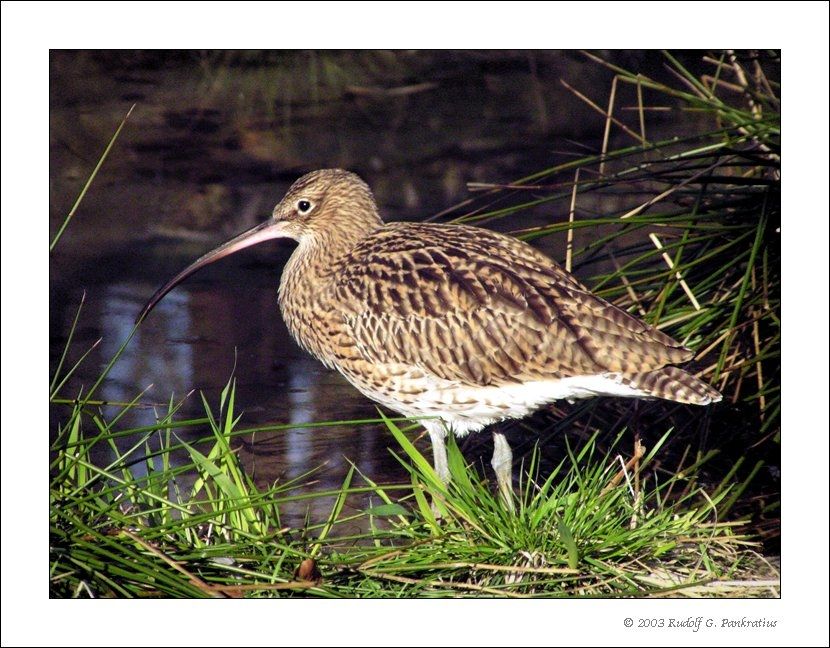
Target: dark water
<point>212,144</point>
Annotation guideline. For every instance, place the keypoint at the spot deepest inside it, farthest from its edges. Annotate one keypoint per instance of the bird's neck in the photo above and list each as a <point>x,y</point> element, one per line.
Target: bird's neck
<point>308,279</point>
<point>320,252</point>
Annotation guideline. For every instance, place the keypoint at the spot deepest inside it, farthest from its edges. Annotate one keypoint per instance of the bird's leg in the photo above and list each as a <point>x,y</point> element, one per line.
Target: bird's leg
<point>502,463</point>
<point>437,434</point>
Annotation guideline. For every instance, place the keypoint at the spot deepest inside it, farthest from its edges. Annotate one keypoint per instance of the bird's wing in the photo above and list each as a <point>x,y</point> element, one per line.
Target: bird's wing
<point>475,306</point>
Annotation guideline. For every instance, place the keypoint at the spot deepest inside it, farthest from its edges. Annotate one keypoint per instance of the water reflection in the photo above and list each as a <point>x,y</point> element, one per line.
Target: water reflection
<point>170,363</point>
<point>302,398</point>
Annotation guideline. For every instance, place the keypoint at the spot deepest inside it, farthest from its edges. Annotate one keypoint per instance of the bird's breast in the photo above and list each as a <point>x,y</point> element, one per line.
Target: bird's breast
<point>309,306</point>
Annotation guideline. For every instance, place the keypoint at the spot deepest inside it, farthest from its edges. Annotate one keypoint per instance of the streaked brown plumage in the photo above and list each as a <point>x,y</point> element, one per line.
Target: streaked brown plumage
<point>450,320</point>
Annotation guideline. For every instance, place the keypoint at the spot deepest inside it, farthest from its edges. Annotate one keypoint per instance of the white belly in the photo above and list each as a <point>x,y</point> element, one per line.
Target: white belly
<point>467,409</point>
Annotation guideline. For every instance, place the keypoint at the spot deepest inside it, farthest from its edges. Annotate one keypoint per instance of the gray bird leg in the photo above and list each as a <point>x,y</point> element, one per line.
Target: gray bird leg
<point>437,434</point>
<point>502,463</point>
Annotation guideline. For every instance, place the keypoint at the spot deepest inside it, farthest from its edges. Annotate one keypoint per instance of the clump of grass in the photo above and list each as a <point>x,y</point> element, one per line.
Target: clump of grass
<point>146,525</point>
<point>583,530</point>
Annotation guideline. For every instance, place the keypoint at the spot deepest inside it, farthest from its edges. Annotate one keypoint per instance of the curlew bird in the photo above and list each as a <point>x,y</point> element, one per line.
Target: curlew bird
<point>449,321</point>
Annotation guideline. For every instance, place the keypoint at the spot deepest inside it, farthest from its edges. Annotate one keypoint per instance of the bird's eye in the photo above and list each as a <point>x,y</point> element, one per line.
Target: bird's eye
<point>304,206</point>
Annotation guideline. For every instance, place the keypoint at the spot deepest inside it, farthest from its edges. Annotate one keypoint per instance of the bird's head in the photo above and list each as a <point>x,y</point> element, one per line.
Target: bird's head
<point>328,202</point>
<point>331,207</point>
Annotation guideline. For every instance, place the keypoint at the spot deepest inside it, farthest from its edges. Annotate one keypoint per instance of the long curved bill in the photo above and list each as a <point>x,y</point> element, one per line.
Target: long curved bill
<point>268,230</point>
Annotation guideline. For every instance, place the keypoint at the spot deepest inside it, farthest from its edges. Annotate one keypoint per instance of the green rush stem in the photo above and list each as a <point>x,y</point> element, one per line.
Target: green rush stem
<point>52,389</point>
<point>733,320</point>
<point>89,181</point>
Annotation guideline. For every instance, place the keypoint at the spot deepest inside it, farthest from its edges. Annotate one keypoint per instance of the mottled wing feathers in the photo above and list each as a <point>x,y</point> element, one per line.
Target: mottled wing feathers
<point>616,340</point>
<point>674,384</point>
<point>478,307</point>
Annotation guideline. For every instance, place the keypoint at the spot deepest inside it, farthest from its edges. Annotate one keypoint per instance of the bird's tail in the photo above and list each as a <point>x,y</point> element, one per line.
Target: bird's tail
<point>676,385</point>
